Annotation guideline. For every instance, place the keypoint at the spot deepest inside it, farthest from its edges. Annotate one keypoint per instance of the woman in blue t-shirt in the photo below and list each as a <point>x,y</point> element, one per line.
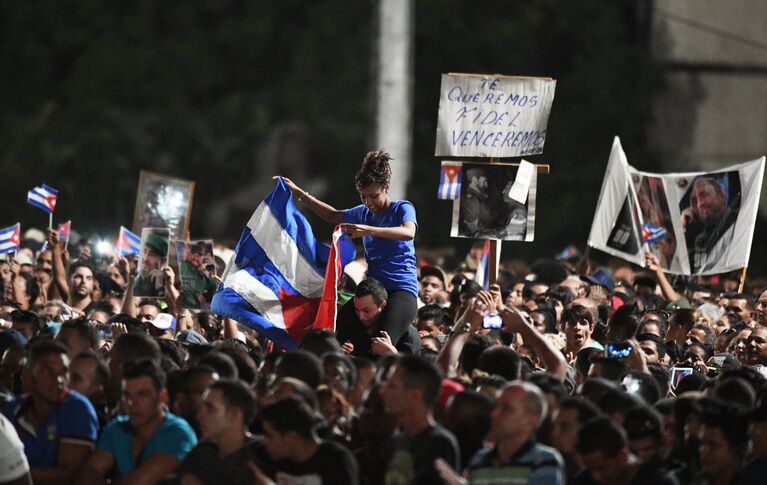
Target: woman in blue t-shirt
<point>387,228</point>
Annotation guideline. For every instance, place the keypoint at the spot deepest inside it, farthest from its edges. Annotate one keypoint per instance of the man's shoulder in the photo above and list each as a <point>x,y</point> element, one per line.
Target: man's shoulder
<point>334,450</point>
<point>437,434</point>
<point>543,455</point>
<point>74,401</point>
<point>173,422</point>
<point>118,424</point>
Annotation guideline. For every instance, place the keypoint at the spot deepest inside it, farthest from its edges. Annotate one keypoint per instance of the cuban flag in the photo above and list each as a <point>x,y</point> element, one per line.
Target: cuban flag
<point>64,230</point>
<point>43,197</point>
<point>128,244</point>
<point>449,181</point>
<point>281,281</point>
<point>10,237</point>
<point>653,234</point>
<point>482,276</point>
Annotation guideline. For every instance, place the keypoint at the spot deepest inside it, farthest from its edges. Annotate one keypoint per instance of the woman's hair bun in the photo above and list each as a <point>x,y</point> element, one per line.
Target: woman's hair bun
<point>375,170</point>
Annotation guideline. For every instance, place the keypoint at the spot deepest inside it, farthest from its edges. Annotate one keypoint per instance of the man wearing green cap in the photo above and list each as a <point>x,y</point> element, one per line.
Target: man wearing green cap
<point>154,256</point>
<point>196,278</point>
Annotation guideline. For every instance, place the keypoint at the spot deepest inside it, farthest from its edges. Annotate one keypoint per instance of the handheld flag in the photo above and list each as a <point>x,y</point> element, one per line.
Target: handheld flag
<point>652,234</point>
<point>43,197</point>
<point>449,181</point>
<point>128,244</point>
<point>64,230</point>
<point>482,276</point>
<point>10,237</point>
<point>281,281</point>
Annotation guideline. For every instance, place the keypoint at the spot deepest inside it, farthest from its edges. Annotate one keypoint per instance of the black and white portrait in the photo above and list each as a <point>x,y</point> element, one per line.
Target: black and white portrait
<point>485,209</point>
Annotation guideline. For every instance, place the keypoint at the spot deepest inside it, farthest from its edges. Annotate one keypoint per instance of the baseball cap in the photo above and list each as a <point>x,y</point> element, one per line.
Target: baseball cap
<point>164,321</point>
<point>190,337</point>
<point>158,243</point>
<point>600,278</point>
<point>24,258</point>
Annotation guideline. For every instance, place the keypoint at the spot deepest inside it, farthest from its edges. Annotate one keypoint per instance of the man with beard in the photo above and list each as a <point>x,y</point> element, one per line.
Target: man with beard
<point>196,279</point>
<point>151,282</point>
<point>81,287</point>
<point>475,212</point>
<point>708,223</point>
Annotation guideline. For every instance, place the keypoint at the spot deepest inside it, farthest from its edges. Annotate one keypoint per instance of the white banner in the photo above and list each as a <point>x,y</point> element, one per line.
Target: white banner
<point>493,116</point>
<point>696,223</point>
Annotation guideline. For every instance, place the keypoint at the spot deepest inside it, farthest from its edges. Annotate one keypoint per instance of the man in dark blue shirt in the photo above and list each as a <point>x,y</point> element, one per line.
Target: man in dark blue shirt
<point>58,426</point>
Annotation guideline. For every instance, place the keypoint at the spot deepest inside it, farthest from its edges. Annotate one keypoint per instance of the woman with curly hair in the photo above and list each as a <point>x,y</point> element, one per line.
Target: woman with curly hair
<point>387,228</point>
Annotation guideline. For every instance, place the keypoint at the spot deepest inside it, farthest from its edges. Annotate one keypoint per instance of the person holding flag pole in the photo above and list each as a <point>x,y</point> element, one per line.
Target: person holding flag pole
<point>387,228</point>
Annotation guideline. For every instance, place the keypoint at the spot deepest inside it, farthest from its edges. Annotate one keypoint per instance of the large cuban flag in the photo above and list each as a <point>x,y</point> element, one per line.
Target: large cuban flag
<point>281,281</point>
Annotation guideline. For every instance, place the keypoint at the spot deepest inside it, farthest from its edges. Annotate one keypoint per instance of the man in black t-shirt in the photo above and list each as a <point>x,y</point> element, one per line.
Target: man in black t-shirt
<point>603,447</point>
<point>224,454</point>
<point>294,452</point>
<point>410,394</point>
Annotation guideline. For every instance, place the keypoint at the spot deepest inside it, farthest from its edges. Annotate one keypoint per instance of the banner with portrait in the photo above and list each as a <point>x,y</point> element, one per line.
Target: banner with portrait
<point>488,207</point>
<point>696,223</point>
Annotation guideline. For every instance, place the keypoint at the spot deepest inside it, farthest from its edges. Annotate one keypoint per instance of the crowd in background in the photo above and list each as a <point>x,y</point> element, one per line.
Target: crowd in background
<point>559,374</point>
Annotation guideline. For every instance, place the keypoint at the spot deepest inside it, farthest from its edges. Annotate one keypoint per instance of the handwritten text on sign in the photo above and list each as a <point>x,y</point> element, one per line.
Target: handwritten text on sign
<point>487,116</point>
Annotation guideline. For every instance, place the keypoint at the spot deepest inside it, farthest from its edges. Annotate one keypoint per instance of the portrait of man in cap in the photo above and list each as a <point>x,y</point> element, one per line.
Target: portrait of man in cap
<point>197,270</point>
<point>154,256</point>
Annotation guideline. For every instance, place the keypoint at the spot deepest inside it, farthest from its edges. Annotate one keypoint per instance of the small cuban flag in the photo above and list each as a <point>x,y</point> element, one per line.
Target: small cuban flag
<point>43,197</point>
<point>128,244</point>
<point>449,181</point>
<point>64,230</point>
<point>482,276</point>
<point>10,237</point>
<point>652,234</point>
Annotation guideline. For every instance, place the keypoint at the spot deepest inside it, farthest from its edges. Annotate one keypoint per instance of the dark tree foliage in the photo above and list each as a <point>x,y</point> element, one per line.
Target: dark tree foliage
<point>94,91</point>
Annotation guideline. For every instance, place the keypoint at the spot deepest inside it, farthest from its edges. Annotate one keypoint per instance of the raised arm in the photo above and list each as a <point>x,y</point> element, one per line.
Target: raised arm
<point>405,232</point>
<point>665,286</point>
<point>327,212</point>
<point>59,269</point>
<point>551,357</point>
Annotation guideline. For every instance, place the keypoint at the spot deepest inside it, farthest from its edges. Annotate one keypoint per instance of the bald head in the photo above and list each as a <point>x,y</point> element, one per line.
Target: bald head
<point>590,305</point>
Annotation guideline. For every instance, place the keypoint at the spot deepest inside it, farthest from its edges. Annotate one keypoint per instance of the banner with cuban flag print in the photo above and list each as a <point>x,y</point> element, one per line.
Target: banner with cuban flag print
<point>281,280</point>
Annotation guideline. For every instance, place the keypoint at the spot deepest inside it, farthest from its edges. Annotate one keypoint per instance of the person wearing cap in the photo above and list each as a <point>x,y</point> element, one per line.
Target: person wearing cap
<point>433,286</point>
<point>197,279</point>
<point>163,326</point>
<point>150,281</point>
<point>601,286</point>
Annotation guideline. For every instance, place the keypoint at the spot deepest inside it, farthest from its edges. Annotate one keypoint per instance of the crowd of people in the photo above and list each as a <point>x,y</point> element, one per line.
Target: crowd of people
<point>556,374</point>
